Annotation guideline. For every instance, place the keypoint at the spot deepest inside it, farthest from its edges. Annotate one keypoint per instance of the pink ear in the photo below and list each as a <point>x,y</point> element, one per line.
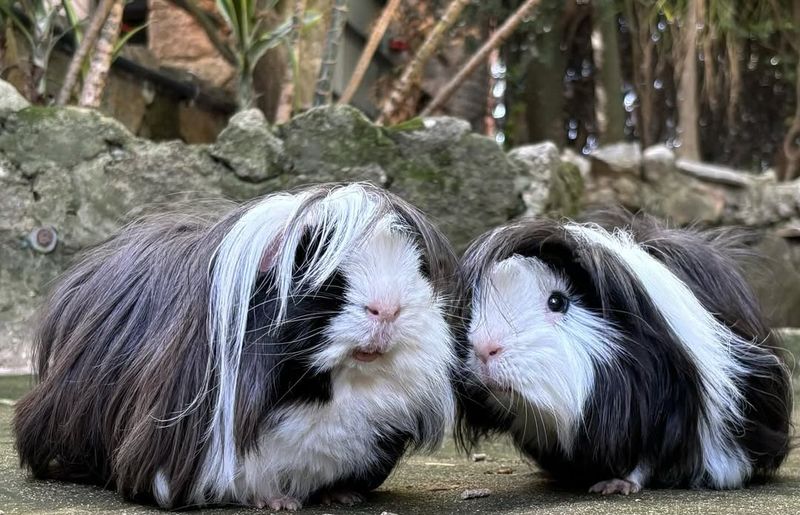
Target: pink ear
<point>269,255</point>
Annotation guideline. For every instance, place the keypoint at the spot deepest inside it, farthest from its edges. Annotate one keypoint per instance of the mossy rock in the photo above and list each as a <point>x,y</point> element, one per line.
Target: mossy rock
<point>566,191</point>
<point>63,136</point>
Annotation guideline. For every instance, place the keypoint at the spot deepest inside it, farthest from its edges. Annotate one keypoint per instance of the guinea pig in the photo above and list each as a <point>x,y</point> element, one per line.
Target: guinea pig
<point>292,350</point>
<point>622,357</point>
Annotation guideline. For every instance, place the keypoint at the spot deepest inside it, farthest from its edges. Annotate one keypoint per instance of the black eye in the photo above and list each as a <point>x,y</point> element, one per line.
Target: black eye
<point>557,302</point>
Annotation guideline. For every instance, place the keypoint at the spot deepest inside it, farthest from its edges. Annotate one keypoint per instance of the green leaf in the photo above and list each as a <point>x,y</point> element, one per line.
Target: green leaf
<point>310,19</point>
<point>414,124</point>
<point>73,20</point>
<point>124,39</point>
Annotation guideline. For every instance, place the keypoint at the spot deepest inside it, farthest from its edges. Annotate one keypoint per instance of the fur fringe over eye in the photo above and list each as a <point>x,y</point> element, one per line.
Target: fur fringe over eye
<point>691,390</point>
<point>143,381</point>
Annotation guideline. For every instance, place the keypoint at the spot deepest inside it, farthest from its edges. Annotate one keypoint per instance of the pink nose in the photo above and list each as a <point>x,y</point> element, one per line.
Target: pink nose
<point>487,350</point>
<point>383,312</point>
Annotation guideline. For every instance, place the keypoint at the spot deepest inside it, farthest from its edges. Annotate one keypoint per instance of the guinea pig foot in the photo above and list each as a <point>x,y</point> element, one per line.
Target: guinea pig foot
<point>342,497</point>
<point>279,504</point>
<point>615,486</point>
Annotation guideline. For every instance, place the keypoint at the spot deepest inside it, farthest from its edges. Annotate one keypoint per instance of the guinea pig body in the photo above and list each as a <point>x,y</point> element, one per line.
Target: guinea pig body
<point>295,349</point>
<point>622,359</point>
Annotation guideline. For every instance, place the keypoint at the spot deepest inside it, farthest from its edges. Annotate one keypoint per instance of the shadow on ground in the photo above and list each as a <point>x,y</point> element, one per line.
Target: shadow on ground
<point>422,484</point>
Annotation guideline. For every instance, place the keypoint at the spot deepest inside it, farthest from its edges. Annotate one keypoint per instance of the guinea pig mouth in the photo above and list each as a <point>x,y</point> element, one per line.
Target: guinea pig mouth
<point>374,349</point>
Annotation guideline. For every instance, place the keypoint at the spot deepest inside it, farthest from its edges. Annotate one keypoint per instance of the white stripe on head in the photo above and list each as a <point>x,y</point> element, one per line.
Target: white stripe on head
<point>709,343</point>
<point>339,217</point>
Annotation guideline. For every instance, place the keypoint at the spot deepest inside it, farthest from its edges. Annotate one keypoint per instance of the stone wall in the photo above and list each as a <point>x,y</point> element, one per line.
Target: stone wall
<point>70,177</point>
<point>688,192</point>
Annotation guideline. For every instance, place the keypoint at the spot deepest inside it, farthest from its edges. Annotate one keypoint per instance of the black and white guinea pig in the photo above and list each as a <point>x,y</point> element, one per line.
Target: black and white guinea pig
<point>293,349</point>
<point>622,357</point>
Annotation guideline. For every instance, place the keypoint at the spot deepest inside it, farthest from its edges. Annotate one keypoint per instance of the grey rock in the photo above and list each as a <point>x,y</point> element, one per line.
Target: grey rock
<point>617,158</point>
<point>775,277</point>
<point>10,98</point>
<point>466,184</point>
<point>322,142</point>
<point>539,163</point>
<point>713,173</point>
<point>431,133</point>
<point>248,146</point>
<point>64,136</point>
<point>549,185</point>
<point>615,176</point>
<point>658,163</point>
<point>583,165</point>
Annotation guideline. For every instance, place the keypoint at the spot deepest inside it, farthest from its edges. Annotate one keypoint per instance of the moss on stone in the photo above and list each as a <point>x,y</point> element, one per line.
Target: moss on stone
<point>566,190</point>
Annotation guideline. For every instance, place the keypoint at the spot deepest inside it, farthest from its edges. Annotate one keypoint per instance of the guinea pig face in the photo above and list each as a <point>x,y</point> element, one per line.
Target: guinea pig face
<point>532,337</point>
<point>390,308</point>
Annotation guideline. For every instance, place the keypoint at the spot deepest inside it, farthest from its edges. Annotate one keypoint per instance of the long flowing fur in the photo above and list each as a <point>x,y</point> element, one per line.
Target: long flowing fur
<point>697,394</point>
<point>141,346</point>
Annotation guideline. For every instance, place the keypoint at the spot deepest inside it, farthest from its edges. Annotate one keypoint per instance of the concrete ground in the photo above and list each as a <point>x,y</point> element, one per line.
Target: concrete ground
<point>421,484</point>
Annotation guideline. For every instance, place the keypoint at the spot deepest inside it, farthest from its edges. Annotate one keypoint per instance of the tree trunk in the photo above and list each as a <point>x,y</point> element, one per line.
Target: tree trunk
<point>286,101</point>
<point>688,101</point>
<point>100,62</point>
<point>544,84</point>
<point>324,88</point>
<point>709,71</point>
<point>791,142</point>
<point>87,43</point>
<point>413,70</point>
<point>610,112</point>
<point>733,49</point>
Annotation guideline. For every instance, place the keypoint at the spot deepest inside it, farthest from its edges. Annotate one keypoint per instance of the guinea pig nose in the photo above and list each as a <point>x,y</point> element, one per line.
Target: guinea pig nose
<point>383,312</point>
<point>487,350</point>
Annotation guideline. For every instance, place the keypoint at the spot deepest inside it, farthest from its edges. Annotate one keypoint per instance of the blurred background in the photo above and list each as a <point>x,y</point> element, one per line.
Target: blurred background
<point>717,80</point>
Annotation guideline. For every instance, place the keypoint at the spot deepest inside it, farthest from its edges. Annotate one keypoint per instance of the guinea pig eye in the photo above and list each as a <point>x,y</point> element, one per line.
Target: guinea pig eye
<point>557,302</point>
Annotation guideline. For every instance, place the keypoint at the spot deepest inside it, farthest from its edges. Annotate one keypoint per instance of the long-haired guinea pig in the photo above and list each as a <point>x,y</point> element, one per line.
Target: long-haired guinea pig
<point>624,357</point>
<point>292,350</point>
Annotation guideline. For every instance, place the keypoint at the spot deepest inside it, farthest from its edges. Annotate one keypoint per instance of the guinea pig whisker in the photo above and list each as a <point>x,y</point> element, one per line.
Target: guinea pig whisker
<point>303,318</point>
<point>289,342</point>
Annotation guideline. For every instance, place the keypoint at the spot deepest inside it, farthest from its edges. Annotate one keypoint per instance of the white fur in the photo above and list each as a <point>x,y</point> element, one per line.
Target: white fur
<point>161,488</point>
<point>344,218</point>
<point>547,358</point>
<point>709,343</point>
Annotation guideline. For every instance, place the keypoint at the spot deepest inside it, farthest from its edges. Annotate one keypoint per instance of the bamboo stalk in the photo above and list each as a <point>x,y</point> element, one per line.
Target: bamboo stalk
<point>87,43</point>
<point>375,38</point>
<point>100,61</point>
<point>324,89</point>
<point>413,69</point>
<point>480,56</point>
<point>286,99</point>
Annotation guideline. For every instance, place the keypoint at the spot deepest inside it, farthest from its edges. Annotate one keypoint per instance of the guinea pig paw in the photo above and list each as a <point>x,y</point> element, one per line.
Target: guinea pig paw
<point>342,497</point>
<point>280,504</point>
<point>615,486</point>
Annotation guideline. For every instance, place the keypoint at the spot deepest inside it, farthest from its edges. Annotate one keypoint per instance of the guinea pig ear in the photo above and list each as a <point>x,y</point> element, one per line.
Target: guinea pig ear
<point>270,255</point>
